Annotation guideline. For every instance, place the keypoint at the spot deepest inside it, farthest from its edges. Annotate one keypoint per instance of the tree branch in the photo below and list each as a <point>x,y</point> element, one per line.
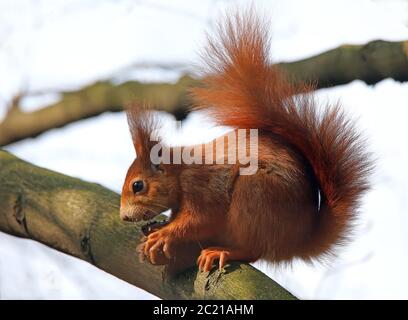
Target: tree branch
<point>91,101</point>
<point>370,63</point>
<point>82,219</point>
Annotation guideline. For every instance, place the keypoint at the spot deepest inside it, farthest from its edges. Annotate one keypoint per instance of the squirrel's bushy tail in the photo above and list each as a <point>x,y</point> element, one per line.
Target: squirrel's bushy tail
<point>242,89</point>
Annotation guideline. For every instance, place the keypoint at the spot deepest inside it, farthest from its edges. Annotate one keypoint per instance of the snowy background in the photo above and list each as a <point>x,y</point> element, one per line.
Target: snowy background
<point>65,44</point>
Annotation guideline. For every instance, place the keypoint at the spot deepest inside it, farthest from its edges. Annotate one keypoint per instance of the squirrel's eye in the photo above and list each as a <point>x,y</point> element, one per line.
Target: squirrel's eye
<point>137,186</point>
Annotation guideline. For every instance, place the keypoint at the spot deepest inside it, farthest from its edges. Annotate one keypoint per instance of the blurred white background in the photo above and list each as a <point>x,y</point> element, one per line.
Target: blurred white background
<point>62,44</point>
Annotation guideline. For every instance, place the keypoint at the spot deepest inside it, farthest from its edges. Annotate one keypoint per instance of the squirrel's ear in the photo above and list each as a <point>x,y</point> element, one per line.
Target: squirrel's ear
<point>143,125</point>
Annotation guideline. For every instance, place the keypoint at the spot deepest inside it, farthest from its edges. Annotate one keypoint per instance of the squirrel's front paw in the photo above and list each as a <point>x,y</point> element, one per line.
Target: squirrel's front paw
<point>157,247</point>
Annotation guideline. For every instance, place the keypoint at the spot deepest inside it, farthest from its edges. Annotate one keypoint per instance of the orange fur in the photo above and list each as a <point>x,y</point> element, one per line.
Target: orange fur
<point>303,149</point>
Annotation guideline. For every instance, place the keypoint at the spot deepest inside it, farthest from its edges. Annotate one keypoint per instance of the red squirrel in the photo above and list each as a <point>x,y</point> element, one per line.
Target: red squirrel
<point>312,165</point>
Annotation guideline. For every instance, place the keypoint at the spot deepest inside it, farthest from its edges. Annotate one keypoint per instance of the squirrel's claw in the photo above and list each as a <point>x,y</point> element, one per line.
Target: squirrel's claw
<point>207,257</point>
<point>157,247</point>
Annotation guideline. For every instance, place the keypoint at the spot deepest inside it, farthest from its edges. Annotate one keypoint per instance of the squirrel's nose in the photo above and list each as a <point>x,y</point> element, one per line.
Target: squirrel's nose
<point>124,215</point>
<point>129,213</point>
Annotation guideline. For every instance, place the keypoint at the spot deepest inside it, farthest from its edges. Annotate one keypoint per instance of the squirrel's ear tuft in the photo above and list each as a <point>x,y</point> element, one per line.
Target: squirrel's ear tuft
<point>144,126</point>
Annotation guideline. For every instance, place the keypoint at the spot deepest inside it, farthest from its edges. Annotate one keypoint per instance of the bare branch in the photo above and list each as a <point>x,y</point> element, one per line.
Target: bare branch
<point>370,63</point>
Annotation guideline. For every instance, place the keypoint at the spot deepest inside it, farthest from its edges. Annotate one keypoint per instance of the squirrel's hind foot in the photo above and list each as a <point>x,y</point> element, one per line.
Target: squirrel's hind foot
<point>207,257</point>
